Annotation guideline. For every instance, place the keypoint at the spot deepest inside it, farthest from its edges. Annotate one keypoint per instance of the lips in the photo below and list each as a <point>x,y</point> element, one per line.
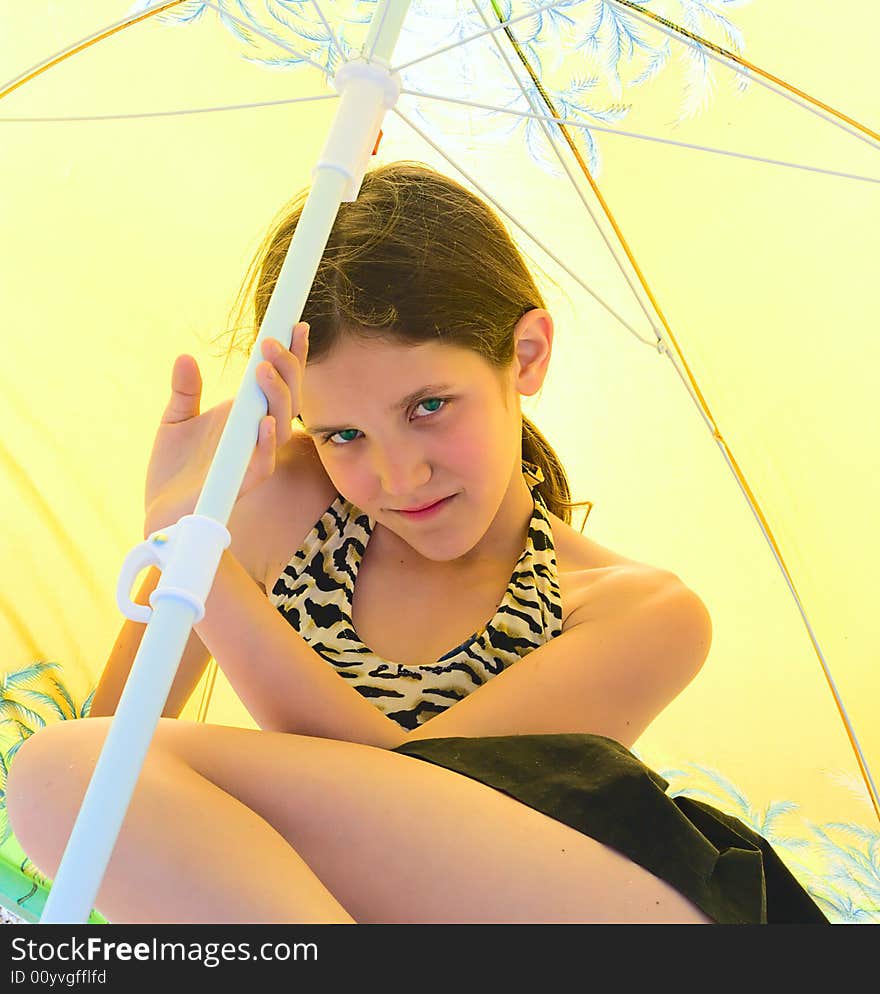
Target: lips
<point>421,507</point>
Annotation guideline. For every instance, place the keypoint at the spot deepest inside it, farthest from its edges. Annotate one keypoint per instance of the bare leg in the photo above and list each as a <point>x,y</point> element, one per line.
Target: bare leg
<point>385,837</point>
<point>188,852</point>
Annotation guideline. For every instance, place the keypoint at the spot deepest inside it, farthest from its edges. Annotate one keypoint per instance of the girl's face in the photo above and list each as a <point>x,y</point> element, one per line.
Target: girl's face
<point>397,427</point>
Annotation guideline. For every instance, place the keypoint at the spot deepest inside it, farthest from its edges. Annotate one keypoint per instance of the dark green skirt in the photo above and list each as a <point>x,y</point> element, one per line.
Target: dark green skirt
<point>597,786</point>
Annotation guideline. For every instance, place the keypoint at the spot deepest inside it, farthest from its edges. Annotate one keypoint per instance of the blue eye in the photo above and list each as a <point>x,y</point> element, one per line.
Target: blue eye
<point>346,431</point>
<point>353,431</point>
<point>432,400</point>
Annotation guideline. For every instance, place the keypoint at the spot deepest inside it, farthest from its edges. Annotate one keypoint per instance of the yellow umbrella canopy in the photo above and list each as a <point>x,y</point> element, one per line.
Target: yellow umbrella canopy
<point>703,226</point>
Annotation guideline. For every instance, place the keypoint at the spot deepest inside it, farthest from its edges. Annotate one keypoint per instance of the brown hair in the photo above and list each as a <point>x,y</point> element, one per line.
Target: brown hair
<point>416,257</point>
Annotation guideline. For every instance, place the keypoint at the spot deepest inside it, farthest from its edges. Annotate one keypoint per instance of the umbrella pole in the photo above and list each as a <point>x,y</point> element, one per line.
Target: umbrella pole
<point>189,552</point>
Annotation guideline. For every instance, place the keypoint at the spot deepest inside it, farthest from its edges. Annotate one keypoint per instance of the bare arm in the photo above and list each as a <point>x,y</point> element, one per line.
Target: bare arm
<point>639,640</point>
<point>284,684</point>
<point>113,679</point>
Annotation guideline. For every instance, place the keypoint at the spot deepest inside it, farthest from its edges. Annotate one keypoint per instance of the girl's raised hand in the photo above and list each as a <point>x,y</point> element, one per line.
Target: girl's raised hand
<point>187,440</point>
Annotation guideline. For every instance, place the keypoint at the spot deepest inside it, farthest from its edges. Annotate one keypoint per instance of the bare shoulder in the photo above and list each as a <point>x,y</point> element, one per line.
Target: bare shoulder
<point>596,581</point>
<point>631,644</point>
<point>272,520</point>
<point>646,633</point>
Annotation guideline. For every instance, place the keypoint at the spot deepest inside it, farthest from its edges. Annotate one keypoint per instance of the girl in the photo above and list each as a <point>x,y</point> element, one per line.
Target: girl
<point>447,676</point>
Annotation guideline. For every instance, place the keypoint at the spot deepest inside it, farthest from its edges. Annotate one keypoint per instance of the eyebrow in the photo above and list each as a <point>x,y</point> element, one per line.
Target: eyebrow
<point>401,405</point>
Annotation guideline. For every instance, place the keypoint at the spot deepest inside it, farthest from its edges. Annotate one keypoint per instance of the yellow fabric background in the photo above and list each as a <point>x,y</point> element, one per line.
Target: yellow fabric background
<point>125,242</point>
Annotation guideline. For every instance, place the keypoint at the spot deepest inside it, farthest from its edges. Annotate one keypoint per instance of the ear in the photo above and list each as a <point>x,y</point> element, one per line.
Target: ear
<point>533,344</point>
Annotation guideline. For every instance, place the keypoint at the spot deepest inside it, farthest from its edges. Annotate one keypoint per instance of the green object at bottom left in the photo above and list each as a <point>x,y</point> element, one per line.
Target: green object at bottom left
<point>24,890</point>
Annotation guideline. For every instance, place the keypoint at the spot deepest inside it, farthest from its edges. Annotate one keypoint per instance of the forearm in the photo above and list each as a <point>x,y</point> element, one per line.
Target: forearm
<point>116,671</point>
<point>284,684</point>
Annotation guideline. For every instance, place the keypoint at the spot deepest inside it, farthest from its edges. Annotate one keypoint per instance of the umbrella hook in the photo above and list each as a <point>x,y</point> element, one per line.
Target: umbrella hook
<point>187,553</point>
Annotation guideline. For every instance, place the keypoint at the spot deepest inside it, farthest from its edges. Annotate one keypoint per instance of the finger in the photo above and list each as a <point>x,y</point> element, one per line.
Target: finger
<point>286,359</point>
<point>302,344</point>
<point>262,464</point>
<point>271,435</point>
<point>277,393</point>
<point>280,378</point>
<point>186,391</point>
<point>277,384</point>
<point>265,439</point>
<point>270,448</point>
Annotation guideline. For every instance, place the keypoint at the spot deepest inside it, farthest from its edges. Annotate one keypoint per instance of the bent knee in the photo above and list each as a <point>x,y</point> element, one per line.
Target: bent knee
<point>49,772</point>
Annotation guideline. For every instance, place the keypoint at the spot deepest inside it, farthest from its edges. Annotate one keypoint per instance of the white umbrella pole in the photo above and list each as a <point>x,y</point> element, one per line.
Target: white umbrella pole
<point>189,552</point>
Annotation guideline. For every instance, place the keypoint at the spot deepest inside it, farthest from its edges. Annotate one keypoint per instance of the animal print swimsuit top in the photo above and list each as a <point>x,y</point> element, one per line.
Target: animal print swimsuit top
<point>315,592</point>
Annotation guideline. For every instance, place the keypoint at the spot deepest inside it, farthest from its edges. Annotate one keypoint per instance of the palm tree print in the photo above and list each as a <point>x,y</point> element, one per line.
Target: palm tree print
<point>30,699</point>
<point>837,863</point>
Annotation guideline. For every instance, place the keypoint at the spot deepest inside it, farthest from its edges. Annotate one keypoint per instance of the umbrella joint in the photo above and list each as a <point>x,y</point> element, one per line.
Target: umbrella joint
<point>368,88</point>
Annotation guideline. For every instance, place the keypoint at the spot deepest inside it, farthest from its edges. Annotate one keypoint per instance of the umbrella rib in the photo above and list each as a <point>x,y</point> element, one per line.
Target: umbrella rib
<point>266,36</point>
<point>167,113</point>
<point>745,68</point>
<point>764,526</point>
<point>480,34</point>
<point>28,75</point>
<point>642,137</point>
<point>575,185</point>
<point>733,61</point>
<point>446,99</point>
<point>330,30</point>
<point>523,228</point>
<point>66,53</point>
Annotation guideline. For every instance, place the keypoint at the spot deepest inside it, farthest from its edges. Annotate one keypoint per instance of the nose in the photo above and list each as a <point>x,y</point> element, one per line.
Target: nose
<point>402,469</point>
